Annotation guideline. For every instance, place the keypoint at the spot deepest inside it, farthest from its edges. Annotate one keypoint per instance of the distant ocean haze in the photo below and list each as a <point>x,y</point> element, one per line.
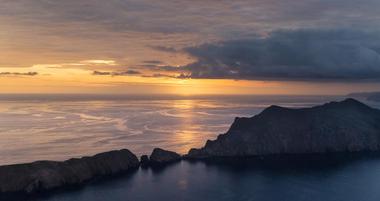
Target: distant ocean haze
<point>58,127</point>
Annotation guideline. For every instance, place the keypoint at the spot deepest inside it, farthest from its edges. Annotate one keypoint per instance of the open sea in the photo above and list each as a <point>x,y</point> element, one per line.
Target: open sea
<point>59,127</point>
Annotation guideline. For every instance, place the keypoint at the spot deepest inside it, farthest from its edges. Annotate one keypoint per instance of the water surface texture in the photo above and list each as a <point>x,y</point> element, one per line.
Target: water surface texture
<point>58,127</point>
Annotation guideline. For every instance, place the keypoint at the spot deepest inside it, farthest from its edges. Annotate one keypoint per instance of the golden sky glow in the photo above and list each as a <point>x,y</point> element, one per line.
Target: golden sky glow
<point>154,48</point>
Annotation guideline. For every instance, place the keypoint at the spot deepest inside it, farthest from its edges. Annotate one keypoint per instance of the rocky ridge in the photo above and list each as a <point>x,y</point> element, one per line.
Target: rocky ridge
<point>346,126</point>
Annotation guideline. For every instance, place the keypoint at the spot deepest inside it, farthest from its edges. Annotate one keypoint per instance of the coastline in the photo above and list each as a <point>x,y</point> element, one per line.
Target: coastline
<point>44,176</point>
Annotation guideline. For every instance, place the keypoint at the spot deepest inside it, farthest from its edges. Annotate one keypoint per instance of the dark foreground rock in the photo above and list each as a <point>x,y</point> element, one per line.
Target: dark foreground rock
<point>144,161</point>
<point>347,126</point>
<point>45,175</point>
<point>161,156</point>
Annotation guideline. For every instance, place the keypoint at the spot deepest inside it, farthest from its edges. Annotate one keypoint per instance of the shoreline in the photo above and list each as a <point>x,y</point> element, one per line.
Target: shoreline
<point>44,176</point>
<point>106,173</point>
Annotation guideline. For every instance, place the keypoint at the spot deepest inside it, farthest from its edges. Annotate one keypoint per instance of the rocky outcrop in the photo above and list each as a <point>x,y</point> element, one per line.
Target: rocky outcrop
<point>161,156</point>
<point>347,126</point>
<point>45,175</point>
<point>144,161</point>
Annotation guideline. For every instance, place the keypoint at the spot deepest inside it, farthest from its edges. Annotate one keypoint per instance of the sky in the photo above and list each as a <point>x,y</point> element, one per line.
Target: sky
<point>190,47</point>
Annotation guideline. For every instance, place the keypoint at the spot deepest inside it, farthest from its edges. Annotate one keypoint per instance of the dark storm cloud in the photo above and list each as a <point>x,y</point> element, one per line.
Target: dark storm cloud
<point>133,28</point>
<point>291,55</point>
<point>207,17</point>
<point>123,73</point>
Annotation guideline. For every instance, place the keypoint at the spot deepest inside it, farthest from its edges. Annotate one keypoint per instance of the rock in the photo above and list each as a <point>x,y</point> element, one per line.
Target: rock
<point>144,160</point>
<point>45,175</point>
<point>347,126</point>
<point>160,156</point>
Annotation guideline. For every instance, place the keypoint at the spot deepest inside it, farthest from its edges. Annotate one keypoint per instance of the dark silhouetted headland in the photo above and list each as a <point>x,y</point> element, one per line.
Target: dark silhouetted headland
<point>347,126</point>
<point>46,175</point>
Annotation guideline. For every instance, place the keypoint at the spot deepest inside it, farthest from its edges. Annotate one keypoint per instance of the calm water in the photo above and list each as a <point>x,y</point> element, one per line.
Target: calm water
<point>332,179</point>
<point>58,127</point>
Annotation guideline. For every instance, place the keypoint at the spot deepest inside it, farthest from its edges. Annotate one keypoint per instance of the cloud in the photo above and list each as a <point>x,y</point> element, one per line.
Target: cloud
<point>99,62</point>
<point>165,49</point>
<point>205,17</point>
<point>130,32</point>
<point>159,75</point>
<point>316,55</point>
<point>18,74</point>
<point>123,73</point>
<point>152,62</point>
<point>134,72</point>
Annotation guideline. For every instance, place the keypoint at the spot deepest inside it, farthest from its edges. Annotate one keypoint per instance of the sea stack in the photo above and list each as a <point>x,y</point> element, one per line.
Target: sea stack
<point>161,156</point>
<point>346,126</point>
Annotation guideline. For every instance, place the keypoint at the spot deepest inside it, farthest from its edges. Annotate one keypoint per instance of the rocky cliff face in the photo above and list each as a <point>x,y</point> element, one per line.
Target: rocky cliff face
<point>45,175</point>
<point>346,126</point>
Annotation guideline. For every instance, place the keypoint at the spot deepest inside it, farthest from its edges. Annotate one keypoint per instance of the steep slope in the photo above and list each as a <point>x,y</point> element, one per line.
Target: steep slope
<point>346,126</point>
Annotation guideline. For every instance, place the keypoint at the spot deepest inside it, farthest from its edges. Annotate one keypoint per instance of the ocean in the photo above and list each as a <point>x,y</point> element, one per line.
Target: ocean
<point>333,178</point>
<point>59,127</point>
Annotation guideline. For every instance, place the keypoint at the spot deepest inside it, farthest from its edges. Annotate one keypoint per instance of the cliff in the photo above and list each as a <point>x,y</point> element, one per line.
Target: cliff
<point>347,126</point>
